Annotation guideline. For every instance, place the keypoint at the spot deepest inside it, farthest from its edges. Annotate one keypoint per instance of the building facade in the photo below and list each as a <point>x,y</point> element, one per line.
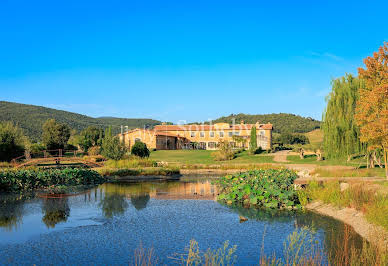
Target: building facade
<point>172,137</point>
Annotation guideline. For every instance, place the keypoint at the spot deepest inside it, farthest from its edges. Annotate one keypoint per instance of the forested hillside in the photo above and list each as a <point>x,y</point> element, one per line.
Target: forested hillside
<point>283,123</point>
<point>31,118</point>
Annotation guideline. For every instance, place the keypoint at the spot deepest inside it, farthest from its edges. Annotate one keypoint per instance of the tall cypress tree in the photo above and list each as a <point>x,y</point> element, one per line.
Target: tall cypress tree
<point>341,134</point>
<point>253,141</point>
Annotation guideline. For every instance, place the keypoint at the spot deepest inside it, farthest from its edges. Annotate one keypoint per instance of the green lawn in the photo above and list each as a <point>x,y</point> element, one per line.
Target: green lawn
<point>204,157</point>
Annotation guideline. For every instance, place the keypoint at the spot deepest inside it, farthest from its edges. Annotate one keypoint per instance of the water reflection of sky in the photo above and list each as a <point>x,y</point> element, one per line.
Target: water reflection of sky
<point>104,225</point>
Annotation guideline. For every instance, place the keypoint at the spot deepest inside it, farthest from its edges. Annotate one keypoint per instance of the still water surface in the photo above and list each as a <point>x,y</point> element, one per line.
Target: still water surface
<point>106,224</point>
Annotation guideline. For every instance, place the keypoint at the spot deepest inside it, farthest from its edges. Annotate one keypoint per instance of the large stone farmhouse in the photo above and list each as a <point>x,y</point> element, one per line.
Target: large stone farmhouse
<point>173,137</point>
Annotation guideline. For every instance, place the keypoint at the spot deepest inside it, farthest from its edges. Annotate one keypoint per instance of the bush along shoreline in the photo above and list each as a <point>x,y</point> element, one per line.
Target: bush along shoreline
<point>269,188</point>
<point>52,180</point>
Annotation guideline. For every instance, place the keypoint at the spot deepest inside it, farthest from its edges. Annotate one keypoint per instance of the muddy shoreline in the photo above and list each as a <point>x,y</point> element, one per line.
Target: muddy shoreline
<point>373,233</point>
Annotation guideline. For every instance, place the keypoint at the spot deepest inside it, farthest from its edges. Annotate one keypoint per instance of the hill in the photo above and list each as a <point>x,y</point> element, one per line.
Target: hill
<point>31,118</point>
<point>282,122</point>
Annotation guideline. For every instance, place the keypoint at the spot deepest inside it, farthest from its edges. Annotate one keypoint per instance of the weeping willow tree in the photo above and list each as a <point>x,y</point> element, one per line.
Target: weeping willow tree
<point>341,134</point>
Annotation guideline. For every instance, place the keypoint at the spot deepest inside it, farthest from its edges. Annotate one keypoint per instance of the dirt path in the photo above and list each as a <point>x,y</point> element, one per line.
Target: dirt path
<point>280,156</point>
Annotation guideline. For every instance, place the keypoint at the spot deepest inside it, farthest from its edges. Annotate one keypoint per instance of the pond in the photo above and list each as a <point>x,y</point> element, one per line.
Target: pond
<point>106,224</point>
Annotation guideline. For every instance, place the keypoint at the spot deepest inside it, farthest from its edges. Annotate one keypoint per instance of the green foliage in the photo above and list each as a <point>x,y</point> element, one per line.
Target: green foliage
<point>55,135</point>
<point>140,149</point>
<point>89,137</point>
<point>112,147</point>
<point>260,188</point>
<point>36,147</point>
<point>12,141</point>
<point>31,119</point>
<point>282,123</point>
<point>341,134</point>
<point>27,179</point>
<point>253,141</point>
<point>291,139</point>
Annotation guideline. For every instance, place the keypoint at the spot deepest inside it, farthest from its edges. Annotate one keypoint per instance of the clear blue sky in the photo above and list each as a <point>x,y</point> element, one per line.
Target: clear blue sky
<point>183,60</point>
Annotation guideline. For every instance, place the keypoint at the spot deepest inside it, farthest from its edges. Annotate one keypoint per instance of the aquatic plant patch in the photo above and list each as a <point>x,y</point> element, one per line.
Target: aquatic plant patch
<point>269,188</point>
<point>27,179</point>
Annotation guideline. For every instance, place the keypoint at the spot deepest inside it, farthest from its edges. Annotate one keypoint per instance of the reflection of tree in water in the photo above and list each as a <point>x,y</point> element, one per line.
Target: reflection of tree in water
<point>11,211</point>
<point>113,204</point>
<point>140,201</point>
<point>263,214</point>
<point>55,210</point>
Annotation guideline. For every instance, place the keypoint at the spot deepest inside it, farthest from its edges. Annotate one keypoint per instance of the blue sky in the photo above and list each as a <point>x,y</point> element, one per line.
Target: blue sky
<point>183,60</point>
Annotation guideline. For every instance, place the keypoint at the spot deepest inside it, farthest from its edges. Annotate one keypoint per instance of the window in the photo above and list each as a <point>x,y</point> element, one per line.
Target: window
<point>262,132</point>
<point>212,134</point>
<point>230,134</point>
<point>221,134</point>
<point>137,140</point>
<point>237,133</point>
<point>211,145</point>
<point>202,134</point>
<point>192,134</point>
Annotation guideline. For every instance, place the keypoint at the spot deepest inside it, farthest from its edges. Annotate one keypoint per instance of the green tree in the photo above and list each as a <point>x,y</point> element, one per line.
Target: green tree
<point>55,135</point>
<point>341,134</point>
<point>253,141</point>
<point>89,137</point>
<point>12,141</point>
<point>140,149</point>
<point>112,147</point>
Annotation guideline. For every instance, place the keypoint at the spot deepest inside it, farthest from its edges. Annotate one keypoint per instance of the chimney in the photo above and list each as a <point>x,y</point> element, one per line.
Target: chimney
<point>242,122</point>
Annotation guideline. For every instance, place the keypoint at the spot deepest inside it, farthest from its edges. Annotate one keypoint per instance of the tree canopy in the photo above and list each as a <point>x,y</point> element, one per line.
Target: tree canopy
<point>55,135</point>
<point>372,106</point>
<point>341,134</point>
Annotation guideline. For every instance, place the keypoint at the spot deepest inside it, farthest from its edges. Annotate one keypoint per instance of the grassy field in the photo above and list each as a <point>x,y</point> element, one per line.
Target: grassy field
<point>315,137</point>
<point>204,157</point>
<point>363,172</point>
<point>312,159</point>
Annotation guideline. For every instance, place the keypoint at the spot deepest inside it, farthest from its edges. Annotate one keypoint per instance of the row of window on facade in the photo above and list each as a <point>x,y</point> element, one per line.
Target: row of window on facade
<point>221,134</point>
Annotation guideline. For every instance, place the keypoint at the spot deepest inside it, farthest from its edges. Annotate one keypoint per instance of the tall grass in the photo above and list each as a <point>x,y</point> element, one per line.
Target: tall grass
<point>133,162</point>
<point>301,248</point>
<point>371,172</point>
<point>373,204</point>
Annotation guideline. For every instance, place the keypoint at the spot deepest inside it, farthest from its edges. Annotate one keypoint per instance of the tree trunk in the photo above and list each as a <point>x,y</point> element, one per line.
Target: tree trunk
<point>372,161</point>
<point>301,153</point>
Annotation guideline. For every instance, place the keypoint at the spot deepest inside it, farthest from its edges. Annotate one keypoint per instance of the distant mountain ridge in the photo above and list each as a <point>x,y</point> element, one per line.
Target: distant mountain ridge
<point>282,122</point>
<point>31,118</point>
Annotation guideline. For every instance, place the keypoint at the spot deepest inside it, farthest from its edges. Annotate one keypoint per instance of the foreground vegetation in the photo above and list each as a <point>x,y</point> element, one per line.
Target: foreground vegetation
<point>368,200</point>
<point>27,179</point>
<point>271,188</point>
<point>301,248</point>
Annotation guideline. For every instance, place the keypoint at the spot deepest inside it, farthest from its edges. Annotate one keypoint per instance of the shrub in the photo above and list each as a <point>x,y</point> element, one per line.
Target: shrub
<point>261,188</point>
<point>27,179</point>
<point>95,150</point>
<point>224,153</point>
<point>36,148</point>
<point>140,149</point>
<point>12,141</point>
<point>113,148</point>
